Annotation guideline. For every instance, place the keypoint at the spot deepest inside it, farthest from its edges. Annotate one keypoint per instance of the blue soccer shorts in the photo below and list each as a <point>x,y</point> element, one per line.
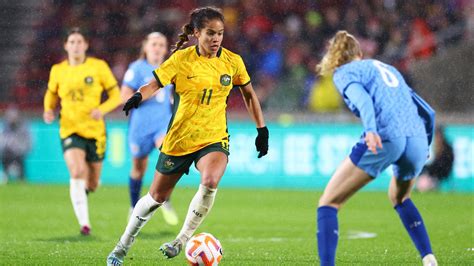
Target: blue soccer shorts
<point>407,155</point>
<point>142,145</point>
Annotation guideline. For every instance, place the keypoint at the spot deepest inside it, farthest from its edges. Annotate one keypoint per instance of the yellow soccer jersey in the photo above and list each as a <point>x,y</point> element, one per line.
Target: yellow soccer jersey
<point>201,88</point>
<point>80,90</point>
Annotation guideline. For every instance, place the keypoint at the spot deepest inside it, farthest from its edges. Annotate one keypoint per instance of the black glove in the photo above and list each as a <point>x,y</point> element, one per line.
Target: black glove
<point>133,102</point>
<point>261,142</point>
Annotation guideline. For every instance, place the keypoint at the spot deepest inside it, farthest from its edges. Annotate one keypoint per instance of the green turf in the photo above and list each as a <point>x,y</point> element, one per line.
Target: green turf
<point>255,227</point>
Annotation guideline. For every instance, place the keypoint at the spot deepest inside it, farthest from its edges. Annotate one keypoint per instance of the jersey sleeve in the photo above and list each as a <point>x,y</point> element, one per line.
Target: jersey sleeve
<point>166,73</point>
<point>361,100</point>
<point>131,78</point>
<point>241,77</point>
<point>344,76</point>
<point>107,78</point>
<point>51,96</point>
<point>53,83</point>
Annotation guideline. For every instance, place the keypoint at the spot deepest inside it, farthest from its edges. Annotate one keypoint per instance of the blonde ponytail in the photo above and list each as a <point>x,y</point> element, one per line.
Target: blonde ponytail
<point>343,48</point>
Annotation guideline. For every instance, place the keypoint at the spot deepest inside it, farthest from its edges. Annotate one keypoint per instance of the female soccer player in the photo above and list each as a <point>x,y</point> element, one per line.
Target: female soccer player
<point>147,131</point>
<point>203,76</point>
<point>79,82</point>
<point>394,134</point>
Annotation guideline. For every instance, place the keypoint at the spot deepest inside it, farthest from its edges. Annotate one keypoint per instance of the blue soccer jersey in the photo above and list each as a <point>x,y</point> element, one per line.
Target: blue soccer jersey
<point>150,120</point>
<point>396,114</point>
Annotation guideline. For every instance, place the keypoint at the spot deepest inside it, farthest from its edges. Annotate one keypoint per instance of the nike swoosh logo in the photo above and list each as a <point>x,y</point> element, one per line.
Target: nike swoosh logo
<point>190,77</point>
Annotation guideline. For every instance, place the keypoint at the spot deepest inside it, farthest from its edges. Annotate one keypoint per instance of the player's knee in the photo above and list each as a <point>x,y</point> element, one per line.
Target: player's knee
<point>327,200</point>
<point>92,186</point>
<point>158,197</point>
<point>323,202</point>
<point>137,173</point>
<point>395,197</point>
<point>210,180</point>
<point>78,171</point>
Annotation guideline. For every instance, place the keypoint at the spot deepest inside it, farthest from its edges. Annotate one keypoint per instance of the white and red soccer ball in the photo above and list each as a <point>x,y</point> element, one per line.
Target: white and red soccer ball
<point>203,250</point>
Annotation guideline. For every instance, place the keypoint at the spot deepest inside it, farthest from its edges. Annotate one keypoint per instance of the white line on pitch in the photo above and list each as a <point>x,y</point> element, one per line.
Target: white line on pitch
<point>360,235</point>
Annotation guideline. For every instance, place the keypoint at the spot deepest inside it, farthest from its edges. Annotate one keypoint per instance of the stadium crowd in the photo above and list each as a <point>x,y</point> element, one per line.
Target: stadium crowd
<point>281,41</point>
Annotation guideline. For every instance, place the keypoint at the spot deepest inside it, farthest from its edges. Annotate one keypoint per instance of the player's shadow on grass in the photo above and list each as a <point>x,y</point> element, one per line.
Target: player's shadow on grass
<point>66,239</point>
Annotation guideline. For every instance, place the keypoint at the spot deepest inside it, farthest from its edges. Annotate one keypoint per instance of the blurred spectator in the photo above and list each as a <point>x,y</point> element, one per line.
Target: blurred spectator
<point>440,168</point>
<point>394,50</point>
<point>265,33</point>
<point>15,143</point>
<point>119,65</point>
<point>422,42</point>
<point>469,16</point>
<point>324,96</point>
<point>332,22</point>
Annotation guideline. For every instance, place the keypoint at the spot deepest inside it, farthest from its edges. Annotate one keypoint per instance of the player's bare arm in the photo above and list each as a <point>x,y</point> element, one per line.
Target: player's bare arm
<point>50,103</point>
<point>125,93</point>
<point>143,93</point>
<point>148,89</point>
<point>252,104</point>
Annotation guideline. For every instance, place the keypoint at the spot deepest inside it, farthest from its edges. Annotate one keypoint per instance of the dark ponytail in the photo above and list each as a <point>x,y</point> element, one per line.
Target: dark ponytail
<point>183,37</point>
<point>198,18</point>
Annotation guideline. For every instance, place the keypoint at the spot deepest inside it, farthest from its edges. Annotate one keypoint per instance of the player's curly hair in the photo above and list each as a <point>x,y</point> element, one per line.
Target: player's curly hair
<point>198,18</point>
<point>342,49</point>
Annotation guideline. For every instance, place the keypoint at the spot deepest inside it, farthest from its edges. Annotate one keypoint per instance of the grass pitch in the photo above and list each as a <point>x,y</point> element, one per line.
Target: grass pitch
<point>255,227</point>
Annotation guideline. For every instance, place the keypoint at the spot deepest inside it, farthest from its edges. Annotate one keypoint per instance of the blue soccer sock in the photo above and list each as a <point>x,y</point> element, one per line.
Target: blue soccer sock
<point>328,234</point>
<point>415,226</point>
<point>135,186</point>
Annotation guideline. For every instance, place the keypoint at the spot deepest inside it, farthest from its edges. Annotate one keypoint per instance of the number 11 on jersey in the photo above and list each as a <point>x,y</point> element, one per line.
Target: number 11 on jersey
<point>207,99</point>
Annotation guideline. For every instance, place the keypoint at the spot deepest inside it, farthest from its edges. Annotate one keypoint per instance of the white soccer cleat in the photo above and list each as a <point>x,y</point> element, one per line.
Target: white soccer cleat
<point>117,255</point>
<point>429,260</point>
<point>169,214</point>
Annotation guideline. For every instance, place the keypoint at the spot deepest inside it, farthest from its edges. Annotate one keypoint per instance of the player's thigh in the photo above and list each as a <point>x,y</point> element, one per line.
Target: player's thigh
<point>358,169</point>
<point>212,167</point>
<point>139,166</point>
<point>162,185</point>
<point>76,162</point>
<point>347,180</point>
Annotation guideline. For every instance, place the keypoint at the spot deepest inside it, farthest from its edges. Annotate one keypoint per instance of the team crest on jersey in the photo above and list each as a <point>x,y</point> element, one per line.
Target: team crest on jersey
<point>169,164</point>
<point>225,80</point>
<point>88,80</point>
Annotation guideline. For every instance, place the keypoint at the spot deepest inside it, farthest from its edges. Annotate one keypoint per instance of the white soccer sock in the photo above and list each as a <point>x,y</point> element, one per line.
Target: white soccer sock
<point>77,191</point>
<point>143,211</point>
<point>199,207</point>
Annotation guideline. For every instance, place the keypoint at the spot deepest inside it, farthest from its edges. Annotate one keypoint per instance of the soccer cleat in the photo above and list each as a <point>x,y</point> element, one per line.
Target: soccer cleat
<point>171,250</point>
<point>169,214</point>
<point>429,260</point>
<point>85,230</point>
<point>117,255</point>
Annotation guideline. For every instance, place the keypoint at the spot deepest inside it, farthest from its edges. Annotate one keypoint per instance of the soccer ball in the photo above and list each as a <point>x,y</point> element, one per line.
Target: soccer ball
<point>203,250</point>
